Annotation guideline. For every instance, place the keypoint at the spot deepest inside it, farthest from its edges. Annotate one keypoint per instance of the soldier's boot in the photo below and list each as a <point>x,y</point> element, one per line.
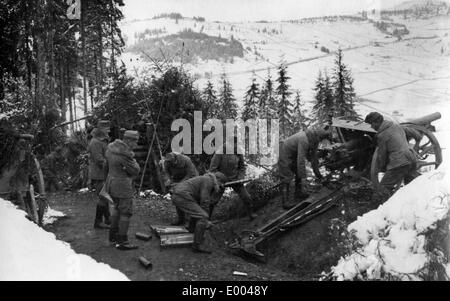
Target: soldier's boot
<point>286,203</point>
<point>251,212</point>
<point>107,216</point>
<point>199,237</point>
<point>114,229</point>
<point>122,237</point>
<point>99,212</point>
<point>192,223</point>
<point>299,193</point>
<point>181,219</point>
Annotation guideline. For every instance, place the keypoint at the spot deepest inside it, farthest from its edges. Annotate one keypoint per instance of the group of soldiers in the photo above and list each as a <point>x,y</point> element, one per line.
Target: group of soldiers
<point>112,168</point>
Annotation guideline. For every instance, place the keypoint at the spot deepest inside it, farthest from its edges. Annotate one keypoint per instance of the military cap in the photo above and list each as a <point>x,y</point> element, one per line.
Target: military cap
<point>103,124</point>
<point>373,117</point>
<point>131,135</point>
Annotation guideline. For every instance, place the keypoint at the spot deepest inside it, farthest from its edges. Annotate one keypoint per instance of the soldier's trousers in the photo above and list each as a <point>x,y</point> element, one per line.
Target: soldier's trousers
<point>287,166</point>
<point>243,194</point>
<point>121,212</point>
<point>394,177</point>
<point>98,185</point>
<point>191,208</point>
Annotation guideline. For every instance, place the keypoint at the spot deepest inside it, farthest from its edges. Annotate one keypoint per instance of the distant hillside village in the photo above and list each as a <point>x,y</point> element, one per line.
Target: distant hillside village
<point>202,46</point>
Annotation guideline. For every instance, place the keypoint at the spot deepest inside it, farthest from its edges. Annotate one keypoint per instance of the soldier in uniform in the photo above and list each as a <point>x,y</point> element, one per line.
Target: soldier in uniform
<point>178,168</point>
<point>294,151</point>
<point>395,157</point>
<point>193,197</point>
<point>122,169</point>
<point>98,170</point>
<point>233,167</point>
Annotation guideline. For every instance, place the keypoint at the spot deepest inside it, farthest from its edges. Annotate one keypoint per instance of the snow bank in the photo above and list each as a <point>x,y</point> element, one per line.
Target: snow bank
<point>393,236</point>
<point>28,252</point>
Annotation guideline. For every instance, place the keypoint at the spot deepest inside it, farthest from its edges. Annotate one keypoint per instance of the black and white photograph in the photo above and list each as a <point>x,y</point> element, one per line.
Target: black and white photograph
<point>248,142</point>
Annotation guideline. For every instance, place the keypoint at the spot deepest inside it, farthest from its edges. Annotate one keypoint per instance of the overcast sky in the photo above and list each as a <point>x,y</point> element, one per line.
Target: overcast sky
<point>250,10</point>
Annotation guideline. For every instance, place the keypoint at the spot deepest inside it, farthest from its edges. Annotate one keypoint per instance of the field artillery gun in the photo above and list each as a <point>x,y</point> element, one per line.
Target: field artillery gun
<point>353,149</point>
<point>354,146</point>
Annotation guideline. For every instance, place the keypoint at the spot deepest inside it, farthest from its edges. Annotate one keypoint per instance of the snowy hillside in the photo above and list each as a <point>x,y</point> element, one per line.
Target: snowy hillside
<point>389,74</point>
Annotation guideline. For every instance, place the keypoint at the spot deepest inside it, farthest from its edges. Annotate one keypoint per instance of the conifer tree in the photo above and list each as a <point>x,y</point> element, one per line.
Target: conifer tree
<point>300,118</point>
<point>251,100</point>
<point>227,102</point>
<point>344,93</point>
<point>324,106</point>
<point>210,100</point>
<point>268,107</point>
<point>284,106</point>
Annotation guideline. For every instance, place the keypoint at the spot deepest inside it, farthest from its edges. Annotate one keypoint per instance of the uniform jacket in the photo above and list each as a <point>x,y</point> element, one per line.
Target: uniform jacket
<point>180,170</point>
<point>202,190</point>
<point>393,149</point>
<point>122,168</point>
<point>97,161</point>
<point>231,165</point>
<point>299,148</point>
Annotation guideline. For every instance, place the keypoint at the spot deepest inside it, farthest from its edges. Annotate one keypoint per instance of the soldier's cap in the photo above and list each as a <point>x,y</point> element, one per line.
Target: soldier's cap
<point>103,124</point>
<point>131,135</point>
<point>373,117</point>
<point>171,156</point>
<point>220,177</point>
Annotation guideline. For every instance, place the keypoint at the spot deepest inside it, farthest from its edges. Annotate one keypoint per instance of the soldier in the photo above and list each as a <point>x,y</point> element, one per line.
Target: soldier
<point>294,151</point>
<point>193,197</point>
<point>395,157</point>
<point>233,167</point>
<point>98,170</point>
<point>122,168</point>
<point>53,167</point>
<point>178,168</point>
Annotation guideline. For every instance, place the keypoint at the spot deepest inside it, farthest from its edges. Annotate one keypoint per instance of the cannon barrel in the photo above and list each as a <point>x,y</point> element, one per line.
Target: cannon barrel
<point>425,120</point>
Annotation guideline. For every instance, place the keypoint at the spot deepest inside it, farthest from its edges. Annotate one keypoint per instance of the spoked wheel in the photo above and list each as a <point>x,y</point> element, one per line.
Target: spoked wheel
<point>429,154</point>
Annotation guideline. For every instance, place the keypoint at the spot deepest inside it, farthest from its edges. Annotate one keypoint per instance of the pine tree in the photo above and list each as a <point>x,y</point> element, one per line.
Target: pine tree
<point>227,102</point>
<point>268,107</point>
<point>210,100</point>
<point>324,106</point>
<point>300,118</point>
<point>251,100</point>
<point>344,93</point>
<point>283,93</point>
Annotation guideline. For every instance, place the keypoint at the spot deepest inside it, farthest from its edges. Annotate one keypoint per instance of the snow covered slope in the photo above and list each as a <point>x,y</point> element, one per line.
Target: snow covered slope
<point>28,252</point>
<point>389,74</point>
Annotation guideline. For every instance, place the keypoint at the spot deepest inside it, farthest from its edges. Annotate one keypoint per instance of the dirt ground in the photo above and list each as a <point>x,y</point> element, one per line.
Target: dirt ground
<point>176,263</point>
<point>298,254</point>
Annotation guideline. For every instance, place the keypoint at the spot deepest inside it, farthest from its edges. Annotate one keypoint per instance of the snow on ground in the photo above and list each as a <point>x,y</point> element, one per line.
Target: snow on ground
<point>388,74</point>
<point>51,215</point>
<point>30,253</point>
<point>393,236</point>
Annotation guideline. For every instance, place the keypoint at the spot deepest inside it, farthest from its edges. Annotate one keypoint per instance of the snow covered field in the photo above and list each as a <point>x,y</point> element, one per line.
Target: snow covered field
<point>28,252</point>
<point>389,75</point>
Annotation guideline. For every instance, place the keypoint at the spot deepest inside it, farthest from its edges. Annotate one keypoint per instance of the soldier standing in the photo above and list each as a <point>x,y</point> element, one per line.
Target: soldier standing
<point>122,168</point>
<point>294,151</point>
<point>233,167</point>
<point>98,170</point>
<point>178,168</point>
<point>193,197</point>
<point>395,157</point>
